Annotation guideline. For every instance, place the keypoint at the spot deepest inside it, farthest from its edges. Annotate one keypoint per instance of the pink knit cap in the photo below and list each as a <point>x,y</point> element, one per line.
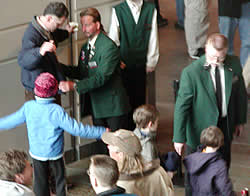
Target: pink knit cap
<point>45,85</point>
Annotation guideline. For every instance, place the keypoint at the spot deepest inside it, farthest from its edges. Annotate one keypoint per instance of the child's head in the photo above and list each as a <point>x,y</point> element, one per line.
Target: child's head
<point>145,116</point>
<point>45,85</point>
<point>212,137</point>
<point>103,171</point>
<point>15,167</point>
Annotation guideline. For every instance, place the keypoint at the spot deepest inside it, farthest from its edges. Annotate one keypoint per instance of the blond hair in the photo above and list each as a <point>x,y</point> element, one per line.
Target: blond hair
<point>11,163</point>
<point>217,41</point>
<point>131,164</point>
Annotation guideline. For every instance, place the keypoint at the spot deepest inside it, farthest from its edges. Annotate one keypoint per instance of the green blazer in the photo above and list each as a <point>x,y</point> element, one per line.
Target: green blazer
<point>196,107</point>
<point>101,78</point>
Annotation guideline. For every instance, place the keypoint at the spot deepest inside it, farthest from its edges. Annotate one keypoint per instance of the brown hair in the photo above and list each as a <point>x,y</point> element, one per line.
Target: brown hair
<point>144,114</point>
<point>11,163</point>
<point>56,8</point>
<point>212,137</point>
<point>105,169</point>
<point>95,14</point>
<point>218,41</point>
<point>91,12</point>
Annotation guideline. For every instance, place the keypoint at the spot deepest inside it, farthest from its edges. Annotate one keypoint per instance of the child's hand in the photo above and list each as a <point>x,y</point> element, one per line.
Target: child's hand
<point>108,130</point>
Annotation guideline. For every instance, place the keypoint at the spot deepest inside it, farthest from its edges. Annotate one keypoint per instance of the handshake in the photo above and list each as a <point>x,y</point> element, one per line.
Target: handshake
<point>66,86</point>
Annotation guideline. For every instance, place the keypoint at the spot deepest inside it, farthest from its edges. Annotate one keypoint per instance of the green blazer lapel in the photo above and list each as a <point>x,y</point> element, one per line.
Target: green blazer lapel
<point>228,81</point>
<point>208,83</point>
<point>96,47</point>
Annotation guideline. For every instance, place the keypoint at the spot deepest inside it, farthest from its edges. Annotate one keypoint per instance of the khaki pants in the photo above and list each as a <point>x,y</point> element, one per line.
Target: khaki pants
<point>196,24</point>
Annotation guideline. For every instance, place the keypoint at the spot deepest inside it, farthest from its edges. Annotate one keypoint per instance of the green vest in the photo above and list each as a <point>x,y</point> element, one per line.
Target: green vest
<point>134,38</point>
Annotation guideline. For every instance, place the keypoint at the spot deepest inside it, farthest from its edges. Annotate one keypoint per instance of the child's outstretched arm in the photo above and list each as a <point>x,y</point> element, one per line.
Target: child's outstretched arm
<point>13,120</point>
<point>70,125</point>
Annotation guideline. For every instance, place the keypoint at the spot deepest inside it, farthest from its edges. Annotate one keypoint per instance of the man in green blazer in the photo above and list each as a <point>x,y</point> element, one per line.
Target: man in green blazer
<point>98,75</point>
<point>197,105</point>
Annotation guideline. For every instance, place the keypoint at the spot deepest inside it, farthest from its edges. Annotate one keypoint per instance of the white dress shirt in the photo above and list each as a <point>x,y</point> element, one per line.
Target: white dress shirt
<point>153,49</point>
<point>222,77</point>
<point>91,42</point>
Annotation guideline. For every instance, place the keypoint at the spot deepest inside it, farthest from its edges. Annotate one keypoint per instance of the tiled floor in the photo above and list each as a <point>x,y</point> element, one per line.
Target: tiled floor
<point>173,58</point>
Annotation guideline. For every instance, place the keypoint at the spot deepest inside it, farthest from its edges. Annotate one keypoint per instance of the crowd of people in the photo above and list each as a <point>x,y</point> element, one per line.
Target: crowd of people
<point>110,76</point>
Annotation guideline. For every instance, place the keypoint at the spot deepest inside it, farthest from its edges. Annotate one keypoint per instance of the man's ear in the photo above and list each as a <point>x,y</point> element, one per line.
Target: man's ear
<point>95,181</point>
<point>98,25</point>
<point>19,178</point>
<point>150,124</point>
<point>48,18</point>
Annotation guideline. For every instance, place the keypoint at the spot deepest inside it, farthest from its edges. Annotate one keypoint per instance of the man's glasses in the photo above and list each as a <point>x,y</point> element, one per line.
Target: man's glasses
<point>217,58</point>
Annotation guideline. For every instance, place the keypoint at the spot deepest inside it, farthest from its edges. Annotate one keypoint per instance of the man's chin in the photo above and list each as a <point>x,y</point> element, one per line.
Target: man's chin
<point>216,64</point>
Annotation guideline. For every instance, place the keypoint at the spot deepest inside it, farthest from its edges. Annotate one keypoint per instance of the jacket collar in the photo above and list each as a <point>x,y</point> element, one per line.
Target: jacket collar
<point>116,190</point>
<point>45,34</point>
<point>44,100</point>
<point>141,134</point>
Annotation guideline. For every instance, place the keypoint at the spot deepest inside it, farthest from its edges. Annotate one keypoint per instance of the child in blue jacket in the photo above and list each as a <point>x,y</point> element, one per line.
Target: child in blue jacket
<point>46,122</point>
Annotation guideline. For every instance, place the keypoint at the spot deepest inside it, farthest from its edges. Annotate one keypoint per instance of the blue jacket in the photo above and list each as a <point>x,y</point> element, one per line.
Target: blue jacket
<point>208,174</point>
<point>46,122</point>
<point>32,63</point>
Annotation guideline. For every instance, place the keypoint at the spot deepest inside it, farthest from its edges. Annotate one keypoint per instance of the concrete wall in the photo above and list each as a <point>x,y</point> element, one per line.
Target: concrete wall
<point>15,16</point>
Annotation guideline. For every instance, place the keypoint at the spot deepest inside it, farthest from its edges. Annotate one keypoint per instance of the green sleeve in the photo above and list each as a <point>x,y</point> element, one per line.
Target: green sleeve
<point>183,108</point>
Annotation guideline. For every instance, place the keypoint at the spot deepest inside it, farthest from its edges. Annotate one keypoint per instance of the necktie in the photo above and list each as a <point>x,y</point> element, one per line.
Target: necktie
<point>87,54</point>
<point>218,89</point>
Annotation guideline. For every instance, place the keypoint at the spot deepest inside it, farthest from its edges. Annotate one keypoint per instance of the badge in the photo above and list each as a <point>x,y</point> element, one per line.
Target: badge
<point>92,64</point>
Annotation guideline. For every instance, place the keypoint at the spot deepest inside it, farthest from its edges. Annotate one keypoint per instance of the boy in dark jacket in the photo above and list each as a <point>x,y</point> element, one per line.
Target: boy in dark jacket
<point>207,171</point>
<point>103,174</point>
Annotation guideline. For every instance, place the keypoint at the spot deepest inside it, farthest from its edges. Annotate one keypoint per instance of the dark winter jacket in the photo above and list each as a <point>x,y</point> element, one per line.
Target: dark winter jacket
<point>119,191</point>
<point>230,8</point>
<point>32,63</point>
<point>208,174</point>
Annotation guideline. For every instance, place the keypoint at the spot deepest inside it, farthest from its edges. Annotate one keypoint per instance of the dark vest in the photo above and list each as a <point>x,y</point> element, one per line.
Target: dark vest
<point>134,38</point>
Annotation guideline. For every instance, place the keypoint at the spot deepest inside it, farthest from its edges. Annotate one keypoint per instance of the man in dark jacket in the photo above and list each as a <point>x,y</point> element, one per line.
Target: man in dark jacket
<point>103,174</point>
<point>233,14</point>
<point>38,53</point>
